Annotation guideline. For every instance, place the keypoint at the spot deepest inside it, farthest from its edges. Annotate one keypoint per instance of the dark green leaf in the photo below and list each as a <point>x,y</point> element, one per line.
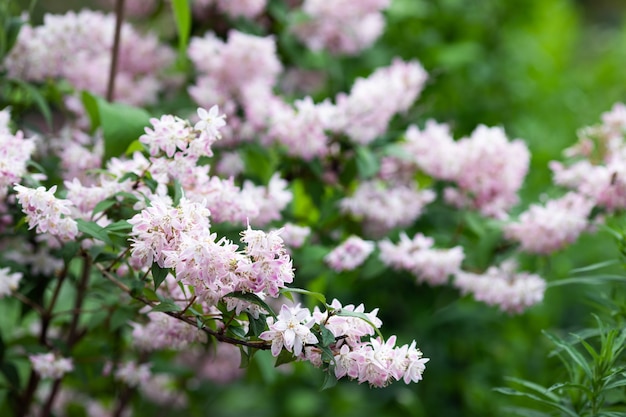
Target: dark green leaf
<point>90,104</point>
<point>257,326</point>
<point>252,298</point>
<point>158,275</point>
<point>329,380</point>
<point>69,251</point>
<point>9,370</point>
<point>328,338</point>
<point>178,192</point>
<point>284,357</point>
<point>38,98</point>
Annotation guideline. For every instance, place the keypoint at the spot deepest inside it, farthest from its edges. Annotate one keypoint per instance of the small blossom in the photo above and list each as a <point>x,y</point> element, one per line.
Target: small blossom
<point>47,365</point>
<point>132,374</point>
<point>292,330</point>
<point>8,282</point>
<point>350,254</point>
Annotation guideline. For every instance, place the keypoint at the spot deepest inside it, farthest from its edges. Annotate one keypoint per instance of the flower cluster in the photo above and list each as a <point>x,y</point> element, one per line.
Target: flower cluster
<point>385,206</point>
<point>344,26</point>
<point>503,286</point>
<point>48,365</point>
<point>350,254</point>
<point>233,8</point>
<point>47,213</point>
<point>548,228</point>
<point>372,361</point>
<point>15,151</point>
<point>599,173</point>
<point>418,256</point>
<point>77,47</point>
<point>487,169</point>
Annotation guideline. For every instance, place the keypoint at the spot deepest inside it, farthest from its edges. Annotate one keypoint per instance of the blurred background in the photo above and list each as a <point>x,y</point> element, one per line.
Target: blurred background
<point>541,69</point>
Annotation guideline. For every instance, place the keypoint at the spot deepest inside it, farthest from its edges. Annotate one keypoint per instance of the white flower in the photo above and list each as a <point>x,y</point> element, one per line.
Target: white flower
<point>8,282</point>
<point>210,121</point>
<point>289,330</point>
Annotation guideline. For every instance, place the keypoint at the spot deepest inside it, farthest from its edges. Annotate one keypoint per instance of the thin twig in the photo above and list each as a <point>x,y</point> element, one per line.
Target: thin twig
<point>119,18</point>
<point>260,344</point>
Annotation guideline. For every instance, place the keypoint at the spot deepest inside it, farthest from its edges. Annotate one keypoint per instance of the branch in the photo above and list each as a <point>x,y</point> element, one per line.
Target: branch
<point>119,18</point>
<point>260,344</point>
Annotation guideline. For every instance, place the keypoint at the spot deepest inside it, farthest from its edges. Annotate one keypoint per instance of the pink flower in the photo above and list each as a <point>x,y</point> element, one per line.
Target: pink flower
<point>8,282</point>
<point>350,254</point>
<point>47,365</point>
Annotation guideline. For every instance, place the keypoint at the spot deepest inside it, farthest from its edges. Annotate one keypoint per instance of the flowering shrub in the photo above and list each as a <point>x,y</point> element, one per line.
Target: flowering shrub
<point>148,250</point>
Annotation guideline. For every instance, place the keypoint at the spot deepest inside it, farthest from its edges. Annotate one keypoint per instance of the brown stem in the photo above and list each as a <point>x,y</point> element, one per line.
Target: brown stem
<point>73,335</point>
<point>260,344</point>
<point>119,18</point>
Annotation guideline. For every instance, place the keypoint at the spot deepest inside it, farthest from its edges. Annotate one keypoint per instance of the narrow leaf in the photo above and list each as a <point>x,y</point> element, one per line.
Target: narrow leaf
<point>94,230</point>
<point>361,316</point>
<point>321,297</point>
<point>166,306</point>
<point>366,163</point>
<point>182,16</point>
<point>252,298</point>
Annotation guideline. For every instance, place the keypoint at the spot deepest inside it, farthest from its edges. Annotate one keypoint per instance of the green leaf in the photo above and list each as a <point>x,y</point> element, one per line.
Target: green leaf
<point>90,103</point>
<point>158,274</point>
<point>329,380</point>
<point>182,17</point>
<point>574,354</point>
<point>550,403</point>
<point>94,230</point>
<point>257,326</point>
<point>178,192</point>
<point>38,98</point>
<point>167,306</point>
<point>119,226</point>
<point>321,297</point>
<point>588,280</point>
<point>135,146</point>
<point>121,124</point>
<point>252,298</point>
<point>284,357</point>
<point>9,370</point>
<point>366,163</point>
<point>103,206</point>
<point>69,251</point>
<point>328,338</point>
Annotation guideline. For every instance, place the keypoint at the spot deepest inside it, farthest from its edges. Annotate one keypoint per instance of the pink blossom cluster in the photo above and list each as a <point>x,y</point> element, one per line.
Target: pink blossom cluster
<point>47,213</point>
<point>134,8</point>
<point>48,365</point>
<point>233,8</point>
<point>366,111</point>
<point>341,26</point>
<point>180,238</point>
<point>161,389</point>
<point>133,374</point>
<point>77,47</point>
<point>486,167</point>
<point>503,286</point>
<point>164,332</point>
<point>599,172</point>
<point>350,254</point>
<point>8,281</point>
<point>544,229</point>
<point>375,362</point>
<point>420,258</point>
<point>294,235</point>
<point>220,364</point>
<point>15,151</point>
<point>79,153</point>
<point>384,206</point>
<point>226,68</point>
<point>171,134</point>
